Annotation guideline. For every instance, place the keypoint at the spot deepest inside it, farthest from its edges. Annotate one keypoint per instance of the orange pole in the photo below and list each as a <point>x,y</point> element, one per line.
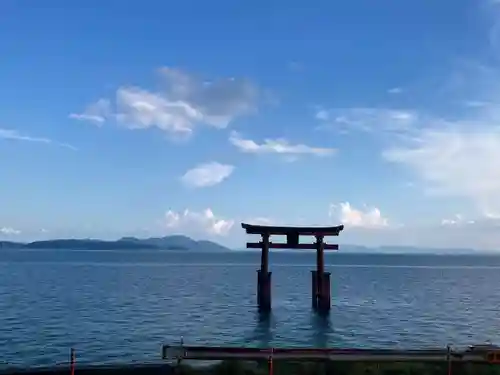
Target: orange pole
<point>270,363</point>
<point>72,361</point>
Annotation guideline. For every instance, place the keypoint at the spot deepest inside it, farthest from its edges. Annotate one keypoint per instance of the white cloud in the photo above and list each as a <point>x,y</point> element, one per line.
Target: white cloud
<point>207,174</point>
<point>9,231</point>
<point>277,146</point>
<point>205,222</point>
<point>476,103</point>
<point>322,115</point>
<point>14,135</point>
<point>141,109</point>
<point>370,217</point>
<point>371,120</point>
<point>183,103</point>
<point>457,219</point>
<point>96,113</point>
<point>395,90</point>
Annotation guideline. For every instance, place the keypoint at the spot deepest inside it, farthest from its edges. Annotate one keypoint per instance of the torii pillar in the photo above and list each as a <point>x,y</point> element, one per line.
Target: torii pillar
<point>264,277</point>
<point>320,280</point>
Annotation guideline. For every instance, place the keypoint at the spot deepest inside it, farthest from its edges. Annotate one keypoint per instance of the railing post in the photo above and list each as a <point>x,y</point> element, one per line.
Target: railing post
<point>72,360</point>
<point>448,359</point>
<point>270,363</point>
<point>179,359</point>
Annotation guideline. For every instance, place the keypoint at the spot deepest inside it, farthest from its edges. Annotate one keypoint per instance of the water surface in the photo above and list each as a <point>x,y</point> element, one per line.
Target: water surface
<point>120,306</point>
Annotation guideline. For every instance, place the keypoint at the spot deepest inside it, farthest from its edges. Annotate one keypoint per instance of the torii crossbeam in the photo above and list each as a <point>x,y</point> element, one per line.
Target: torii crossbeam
<point>321,298</point>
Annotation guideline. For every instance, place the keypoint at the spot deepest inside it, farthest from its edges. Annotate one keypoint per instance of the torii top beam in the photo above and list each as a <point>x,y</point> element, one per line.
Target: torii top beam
<point>293,231</point>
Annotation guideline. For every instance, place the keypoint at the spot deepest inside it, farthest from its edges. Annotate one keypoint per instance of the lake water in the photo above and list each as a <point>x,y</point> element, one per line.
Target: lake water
<point>121,306</point>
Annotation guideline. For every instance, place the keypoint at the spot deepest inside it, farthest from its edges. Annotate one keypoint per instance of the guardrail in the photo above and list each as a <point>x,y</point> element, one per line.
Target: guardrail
<point>473,354</point>
<point>478,354</point>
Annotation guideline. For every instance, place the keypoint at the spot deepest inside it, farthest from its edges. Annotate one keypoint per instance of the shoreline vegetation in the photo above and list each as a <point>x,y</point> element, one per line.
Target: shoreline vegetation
<point>280,367</point>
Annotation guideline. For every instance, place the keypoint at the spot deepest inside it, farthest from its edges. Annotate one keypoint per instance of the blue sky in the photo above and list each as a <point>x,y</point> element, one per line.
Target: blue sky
<point>154,117</point>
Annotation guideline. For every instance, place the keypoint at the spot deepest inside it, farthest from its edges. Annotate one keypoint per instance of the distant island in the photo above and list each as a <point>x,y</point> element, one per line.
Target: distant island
<point>172,243</point>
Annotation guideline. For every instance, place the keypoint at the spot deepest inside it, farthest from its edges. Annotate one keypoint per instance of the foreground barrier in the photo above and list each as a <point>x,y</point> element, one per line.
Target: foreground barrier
<point>479,354</point>
<point>473,354</point>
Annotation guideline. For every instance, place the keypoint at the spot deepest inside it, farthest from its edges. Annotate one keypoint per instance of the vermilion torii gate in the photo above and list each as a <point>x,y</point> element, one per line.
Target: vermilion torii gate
<point>321,298</point>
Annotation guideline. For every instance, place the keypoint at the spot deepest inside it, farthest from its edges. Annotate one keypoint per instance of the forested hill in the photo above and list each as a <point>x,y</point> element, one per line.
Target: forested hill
<point>174,243</point>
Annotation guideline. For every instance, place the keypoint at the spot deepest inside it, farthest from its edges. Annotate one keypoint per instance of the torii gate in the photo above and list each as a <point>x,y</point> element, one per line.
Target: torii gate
<point>320,294</point>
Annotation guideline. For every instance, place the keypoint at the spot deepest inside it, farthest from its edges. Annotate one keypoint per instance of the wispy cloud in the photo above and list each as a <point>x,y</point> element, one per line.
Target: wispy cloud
<point>395,90</point>
<point>450,155</point>
<point>456,156</point>
<point>277,146</point>
<point>207,174</point>
<point>184,102</point>
<point>455,159</point>
<point>366,119</point>
<point>14,135</point>
<point>476,103</point>
<point>96,113</point>
<point>457,219</point>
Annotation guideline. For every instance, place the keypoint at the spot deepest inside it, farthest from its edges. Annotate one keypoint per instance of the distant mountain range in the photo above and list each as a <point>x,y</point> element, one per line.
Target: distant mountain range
<point>184,243</point>
<point>173,243</point>
<point>405,250</point>
<point>357,249</point>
